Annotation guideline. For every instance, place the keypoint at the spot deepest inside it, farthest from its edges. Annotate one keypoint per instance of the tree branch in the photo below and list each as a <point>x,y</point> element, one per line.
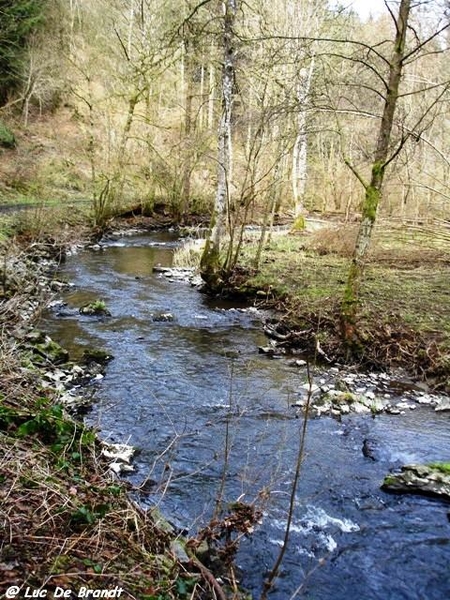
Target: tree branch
<point>425,42</point>
<point>356,173</point>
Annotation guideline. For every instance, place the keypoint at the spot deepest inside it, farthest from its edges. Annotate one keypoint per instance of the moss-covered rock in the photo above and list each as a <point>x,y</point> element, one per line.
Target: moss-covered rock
<point>44,349</point>
<point>98,308</point>
<point>428,480</point>
<point>94,355</point>
<point>52,352</point>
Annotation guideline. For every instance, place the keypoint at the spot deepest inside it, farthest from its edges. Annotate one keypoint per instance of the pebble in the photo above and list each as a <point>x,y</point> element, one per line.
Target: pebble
<point>391,410</point>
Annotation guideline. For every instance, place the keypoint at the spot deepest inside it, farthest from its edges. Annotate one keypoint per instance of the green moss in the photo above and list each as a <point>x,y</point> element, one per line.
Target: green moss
<point>211,265</point>
<point>371,201</point>
<point>442,467</point>
<point>98,307</point>
<point>389,480</point>
<point>299,224</point>
<point>95,355</point>
<point>345,398</point>
<point>53,352</point>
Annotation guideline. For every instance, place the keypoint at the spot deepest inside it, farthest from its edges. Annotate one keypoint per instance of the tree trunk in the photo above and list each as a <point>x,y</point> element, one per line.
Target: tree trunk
<point>300,151</point>
<point>211,266</point>
<point>373,190</point>
<point>189,67</point>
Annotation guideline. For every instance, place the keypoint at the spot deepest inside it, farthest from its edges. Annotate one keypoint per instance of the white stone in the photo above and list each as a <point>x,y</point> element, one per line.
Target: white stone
<point>425,399</point>
<point>119,467</point>
<point>443,405</point>
<point>313,387</point>
<point>119,452</point>
<point>359,408</point>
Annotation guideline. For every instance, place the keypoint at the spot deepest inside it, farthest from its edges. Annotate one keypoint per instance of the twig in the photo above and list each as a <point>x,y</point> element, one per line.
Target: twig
<point>209,577</point>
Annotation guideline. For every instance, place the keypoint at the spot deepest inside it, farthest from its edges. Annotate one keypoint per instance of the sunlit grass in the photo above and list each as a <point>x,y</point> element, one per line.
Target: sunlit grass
<point>395,285</point>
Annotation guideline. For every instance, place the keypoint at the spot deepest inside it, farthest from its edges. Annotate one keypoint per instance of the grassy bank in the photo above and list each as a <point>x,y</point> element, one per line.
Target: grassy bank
<point>404,317</point>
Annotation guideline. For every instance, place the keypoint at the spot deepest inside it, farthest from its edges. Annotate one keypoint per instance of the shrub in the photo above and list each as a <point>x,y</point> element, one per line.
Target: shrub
<point>7,139</point>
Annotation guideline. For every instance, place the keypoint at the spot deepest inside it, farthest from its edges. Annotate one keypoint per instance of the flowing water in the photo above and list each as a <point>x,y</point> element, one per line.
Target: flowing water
<point>178,390</point>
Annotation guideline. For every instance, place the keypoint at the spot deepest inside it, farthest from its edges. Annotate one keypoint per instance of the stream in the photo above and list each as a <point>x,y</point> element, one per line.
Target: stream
<point>174,385</point>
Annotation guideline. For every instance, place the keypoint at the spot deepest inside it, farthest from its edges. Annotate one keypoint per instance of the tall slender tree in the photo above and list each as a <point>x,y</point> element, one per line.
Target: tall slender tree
<point>211,265</point>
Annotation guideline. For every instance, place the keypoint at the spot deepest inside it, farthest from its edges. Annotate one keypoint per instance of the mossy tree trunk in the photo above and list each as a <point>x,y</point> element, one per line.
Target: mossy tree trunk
<point>373,190</point>
<point>211,265</point>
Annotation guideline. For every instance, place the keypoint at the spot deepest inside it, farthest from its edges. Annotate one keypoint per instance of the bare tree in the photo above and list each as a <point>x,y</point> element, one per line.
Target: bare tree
<point>211,262</point>
<point>385,152</point>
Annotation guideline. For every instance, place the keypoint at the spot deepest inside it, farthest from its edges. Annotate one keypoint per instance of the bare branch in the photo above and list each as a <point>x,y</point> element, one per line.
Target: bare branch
<point>426,89</point>
<point>189,17</point>
<point>425,42</point>
<point>359,61</point>
<point>125,51</point>
<point>319,39</point>
<point>356,173</point>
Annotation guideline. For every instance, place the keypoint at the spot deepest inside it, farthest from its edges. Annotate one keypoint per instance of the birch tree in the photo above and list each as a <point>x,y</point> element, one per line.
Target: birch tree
<point>211,266</point>
<point>305,18</point>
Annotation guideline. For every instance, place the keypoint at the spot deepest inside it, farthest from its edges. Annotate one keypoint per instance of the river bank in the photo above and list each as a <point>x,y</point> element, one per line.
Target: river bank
<point>404,315</point>
<point>69,523</point>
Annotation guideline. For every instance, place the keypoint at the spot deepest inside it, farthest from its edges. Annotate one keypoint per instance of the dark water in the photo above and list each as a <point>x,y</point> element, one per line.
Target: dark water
<point>171,390</point>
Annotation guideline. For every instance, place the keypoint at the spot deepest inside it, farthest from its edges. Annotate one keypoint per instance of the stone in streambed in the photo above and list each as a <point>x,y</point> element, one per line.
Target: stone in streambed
<point>428,480</point>
<point>46,350</point>
<point>93,355</point>
<point>97,308</point>
<point>163,317</point>
<point>444,405</point>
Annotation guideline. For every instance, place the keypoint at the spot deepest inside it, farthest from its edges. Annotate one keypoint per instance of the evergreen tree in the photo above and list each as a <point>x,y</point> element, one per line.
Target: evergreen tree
<point>18,19</point>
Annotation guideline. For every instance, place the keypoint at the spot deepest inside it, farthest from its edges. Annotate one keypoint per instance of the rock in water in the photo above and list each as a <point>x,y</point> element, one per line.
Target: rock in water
<point>97,308</point>
<point>428,480</point>
<point>95,355</point>
<point>163,317</point>
<point>371,449</point>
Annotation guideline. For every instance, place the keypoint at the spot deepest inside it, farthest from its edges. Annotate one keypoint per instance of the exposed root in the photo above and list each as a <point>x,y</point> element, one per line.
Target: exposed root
<point>380,345</point>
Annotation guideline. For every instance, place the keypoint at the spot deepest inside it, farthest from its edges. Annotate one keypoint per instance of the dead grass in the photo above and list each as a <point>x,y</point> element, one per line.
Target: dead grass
<point>68,524</point>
